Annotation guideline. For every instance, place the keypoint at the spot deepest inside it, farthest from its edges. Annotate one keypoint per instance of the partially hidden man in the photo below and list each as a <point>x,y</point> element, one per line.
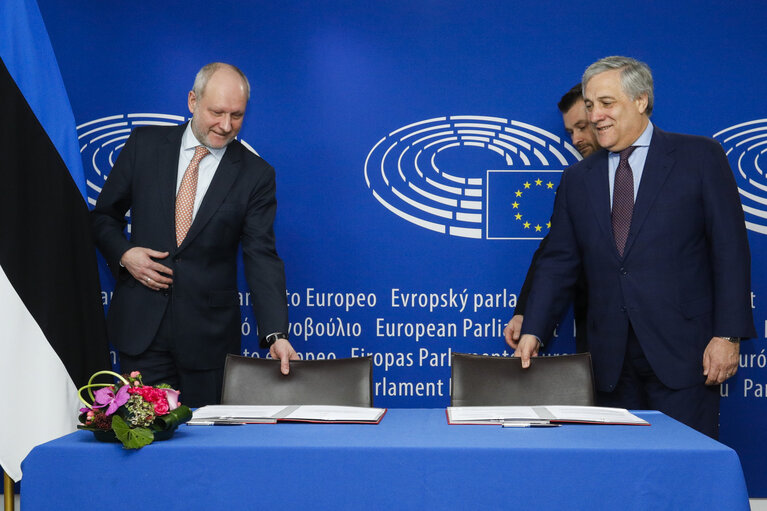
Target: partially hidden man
<point>655,223</point>
<point>195,194</point>
<point>577,125</point>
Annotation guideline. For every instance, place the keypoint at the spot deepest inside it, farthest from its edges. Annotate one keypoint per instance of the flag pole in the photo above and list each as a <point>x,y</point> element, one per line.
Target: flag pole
<point>8,492</point>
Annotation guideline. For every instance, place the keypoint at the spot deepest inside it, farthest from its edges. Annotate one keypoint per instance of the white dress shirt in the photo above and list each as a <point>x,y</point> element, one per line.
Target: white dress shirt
<point>206,169</point>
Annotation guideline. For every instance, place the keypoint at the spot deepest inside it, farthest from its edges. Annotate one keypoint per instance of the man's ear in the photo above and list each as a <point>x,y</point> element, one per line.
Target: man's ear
<point>641,103</point>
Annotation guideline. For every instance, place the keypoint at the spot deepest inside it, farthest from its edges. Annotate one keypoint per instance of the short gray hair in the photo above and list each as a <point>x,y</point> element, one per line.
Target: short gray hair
<point>636,77</point>
<point>208,70</point>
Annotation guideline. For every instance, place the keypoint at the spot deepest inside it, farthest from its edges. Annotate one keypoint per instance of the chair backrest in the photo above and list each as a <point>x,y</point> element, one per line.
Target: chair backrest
<point>254,381</point>
<point>480,380</point>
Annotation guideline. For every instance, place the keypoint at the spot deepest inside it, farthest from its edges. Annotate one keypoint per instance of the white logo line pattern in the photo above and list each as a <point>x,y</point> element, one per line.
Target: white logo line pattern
<point>406,174</point>
<point>746,147</point>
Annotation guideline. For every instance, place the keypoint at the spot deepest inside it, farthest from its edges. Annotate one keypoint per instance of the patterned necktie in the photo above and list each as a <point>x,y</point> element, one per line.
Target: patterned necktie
<point>623,199</point>
<point>186,193</point>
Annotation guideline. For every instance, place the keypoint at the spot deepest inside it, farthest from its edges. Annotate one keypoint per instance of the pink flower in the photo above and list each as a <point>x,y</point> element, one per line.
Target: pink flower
<point>135,374</point>
<point>161,408</point>
<point>163,400</point>
<point>106,396</point>
<point>151,394</point>
<point>172,397</point>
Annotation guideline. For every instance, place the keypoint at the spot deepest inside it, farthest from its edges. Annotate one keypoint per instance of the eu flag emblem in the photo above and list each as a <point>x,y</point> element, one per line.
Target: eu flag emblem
<point>519,203</point>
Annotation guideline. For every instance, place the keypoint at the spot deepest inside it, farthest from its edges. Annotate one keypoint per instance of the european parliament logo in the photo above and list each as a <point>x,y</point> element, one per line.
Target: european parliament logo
<point>101,140</point>
<point>746,145</point>
<point>470,176</point>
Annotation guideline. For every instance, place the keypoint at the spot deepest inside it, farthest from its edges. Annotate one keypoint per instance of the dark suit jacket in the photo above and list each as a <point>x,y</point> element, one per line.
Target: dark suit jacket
<point>239,207</point>
<point>685,273</point>
<point>580,300</point>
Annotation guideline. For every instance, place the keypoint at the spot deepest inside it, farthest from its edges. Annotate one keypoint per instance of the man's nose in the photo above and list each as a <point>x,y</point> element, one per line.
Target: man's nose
<point>226,122</point>
<point>595,114</point>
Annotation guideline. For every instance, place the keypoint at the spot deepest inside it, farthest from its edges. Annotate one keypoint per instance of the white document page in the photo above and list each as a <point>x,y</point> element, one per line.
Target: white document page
<point>335,413</point>
<point>236,412</point>
<point>500,414</point>
<point>594,414</point>
<point>491,413</point>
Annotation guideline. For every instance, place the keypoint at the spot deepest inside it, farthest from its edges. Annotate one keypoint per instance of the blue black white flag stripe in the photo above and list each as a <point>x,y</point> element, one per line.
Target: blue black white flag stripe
<point>53,334</point>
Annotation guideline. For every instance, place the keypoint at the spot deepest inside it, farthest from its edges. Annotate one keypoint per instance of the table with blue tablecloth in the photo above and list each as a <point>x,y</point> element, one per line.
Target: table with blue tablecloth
<point>412,460</point>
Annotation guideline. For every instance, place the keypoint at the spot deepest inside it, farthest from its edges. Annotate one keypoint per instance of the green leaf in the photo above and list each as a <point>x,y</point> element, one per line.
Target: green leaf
<point>135,438</point>
<point>172,419</point>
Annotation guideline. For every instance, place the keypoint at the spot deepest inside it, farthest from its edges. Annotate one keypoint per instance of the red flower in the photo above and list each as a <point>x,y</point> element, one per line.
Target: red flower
<point>158,398</point>
<point>161,408</point>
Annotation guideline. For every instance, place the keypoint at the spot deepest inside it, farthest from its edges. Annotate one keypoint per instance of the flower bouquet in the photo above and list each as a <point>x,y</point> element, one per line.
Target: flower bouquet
<point>131,412</point>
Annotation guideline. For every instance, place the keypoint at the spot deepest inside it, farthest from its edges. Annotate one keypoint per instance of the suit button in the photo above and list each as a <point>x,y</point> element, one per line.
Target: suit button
<point>623,309</point>
<point>623,271</point>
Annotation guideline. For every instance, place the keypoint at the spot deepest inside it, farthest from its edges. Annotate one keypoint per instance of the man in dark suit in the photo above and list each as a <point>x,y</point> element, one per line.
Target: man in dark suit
<point>195,194</point>
<point>577,125</point>
<point>654,221</point>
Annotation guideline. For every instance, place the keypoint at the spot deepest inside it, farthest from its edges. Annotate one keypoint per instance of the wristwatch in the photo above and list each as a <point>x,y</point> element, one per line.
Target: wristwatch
<point>734,340</point>
<point>270,339</point>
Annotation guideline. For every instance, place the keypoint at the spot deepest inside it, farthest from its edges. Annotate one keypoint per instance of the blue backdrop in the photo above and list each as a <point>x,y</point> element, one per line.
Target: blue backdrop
<point>417,146</point>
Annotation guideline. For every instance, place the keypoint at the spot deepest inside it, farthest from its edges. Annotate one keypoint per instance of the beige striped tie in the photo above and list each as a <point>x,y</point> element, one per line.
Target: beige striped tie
<point>186,193</point>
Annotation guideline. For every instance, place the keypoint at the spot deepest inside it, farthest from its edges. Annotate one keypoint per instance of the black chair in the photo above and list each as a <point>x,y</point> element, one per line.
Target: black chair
<point>480,380</point>
<point>255,381</point>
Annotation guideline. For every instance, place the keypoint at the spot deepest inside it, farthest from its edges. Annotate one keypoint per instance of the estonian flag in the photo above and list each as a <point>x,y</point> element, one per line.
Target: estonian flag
<point>52,335</point>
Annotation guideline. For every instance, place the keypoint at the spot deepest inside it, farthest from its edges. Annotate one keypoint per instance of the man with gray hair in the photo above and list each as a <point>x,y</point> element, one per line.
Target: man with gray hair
<point>195,194</point>
<point>654,221</point>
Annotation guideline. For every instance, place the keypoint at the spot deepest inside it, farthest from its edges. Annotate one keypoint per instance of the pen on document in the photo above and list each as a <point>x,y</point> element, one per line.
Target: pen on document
<point>530,425</point>
<point>214,423</point>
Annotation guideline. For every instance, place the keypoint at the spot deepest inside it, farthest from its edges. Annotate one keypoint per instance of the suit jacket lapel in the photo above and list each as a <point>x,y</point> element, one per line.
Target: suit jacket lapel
<point>166,180</point>
<point>224,178</point>
<point>598,186</point>
<point>656,170</point>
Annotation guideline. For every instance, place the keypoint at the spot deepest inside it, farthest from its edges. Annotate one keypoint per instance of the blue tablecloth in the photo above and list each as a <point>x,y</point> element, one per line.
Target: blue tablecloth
<point>412,460</point>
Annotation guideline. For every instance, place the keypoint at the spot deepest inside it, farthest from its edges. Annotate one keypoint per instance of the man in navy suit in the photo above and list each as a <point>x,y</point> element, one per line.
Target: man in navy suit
<point>175,313</point>
<point>654,221</point>
<point>577,125</point>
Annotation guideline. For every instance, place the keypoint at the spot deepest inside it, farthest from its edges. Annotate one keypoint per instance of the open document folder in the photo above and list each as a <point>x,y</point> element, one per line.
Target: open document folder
<point>541,414</point>
<point>245,414</point>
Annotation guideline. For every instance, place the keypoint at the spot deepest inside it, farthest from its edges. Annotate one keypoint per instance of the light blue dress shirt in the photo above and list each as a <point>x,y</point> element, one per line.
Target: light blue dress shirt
<point>636,161</point>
